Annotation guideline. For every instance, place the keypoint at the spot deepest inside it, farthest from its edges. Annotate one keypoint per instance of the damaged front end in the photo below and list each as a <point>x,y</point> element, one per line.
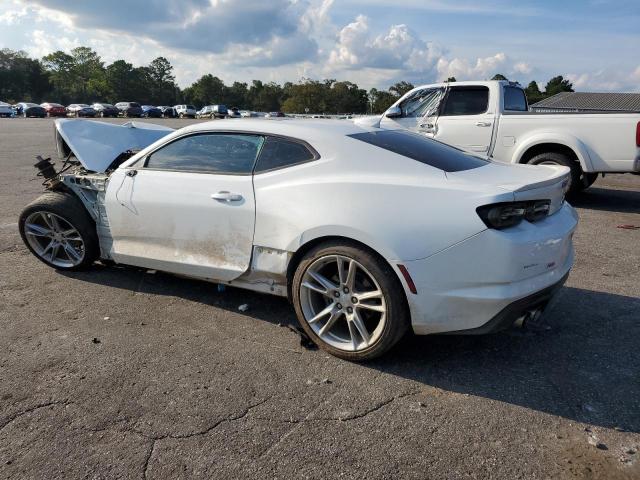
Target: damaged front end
<point>90,151</point>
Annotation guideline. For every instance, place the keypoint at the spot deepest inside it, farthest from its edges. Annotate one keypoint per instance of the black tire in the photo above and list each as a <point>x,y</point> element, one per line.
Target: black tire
<point>575,181</point>
<point>70,208</point>
<point>397,321</point>
<point>588,179</point>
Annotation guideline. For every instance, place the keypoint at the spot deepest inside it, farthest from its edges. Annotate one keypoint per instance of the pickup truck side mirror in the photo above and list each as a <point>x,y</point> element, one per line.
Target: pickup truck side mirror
<point>393,112</point>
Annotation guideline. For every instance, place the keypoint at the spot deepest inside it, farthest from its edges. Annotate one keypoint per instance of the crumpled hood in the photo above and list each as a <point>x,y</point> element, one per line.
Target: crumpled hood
<point>97,144</point>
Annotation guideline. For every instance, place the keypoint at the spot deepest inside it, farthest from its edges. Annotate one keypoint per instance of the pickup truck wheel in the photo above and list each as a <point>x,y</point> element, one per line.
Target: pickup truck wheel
<point>553,158</point>
<point>57,229</point>
<point>349,301</point>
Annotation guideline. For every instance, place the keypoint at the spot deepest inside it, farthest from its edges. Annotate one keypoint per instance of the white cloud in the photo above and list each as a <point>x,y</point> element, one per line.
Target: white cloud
<point>463,69</point>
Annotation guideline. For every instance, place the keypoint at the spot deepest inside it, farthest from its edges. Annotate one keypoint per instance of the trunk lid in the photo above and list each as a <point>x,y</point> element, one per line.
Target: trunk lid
<point>526,182</point>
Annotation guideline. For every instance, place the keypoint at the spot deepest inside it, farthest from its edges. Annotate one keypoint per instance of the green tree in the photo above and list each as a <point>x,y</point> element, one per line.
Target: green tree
<point>557,85</point>
<point>162,82</point>
<point>400,88</point>
<point>21,77</point>
<point>451,79</point>
<point>499,76</point>
<point>207,90</point>
<point>380,100</point>
<point>533,92</point>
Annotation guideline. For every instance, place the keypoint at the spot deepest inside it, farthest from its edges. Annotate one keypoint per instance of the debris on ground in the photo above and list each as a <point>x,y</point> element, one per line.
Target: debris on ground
<point>106,318</point>
<point>243,308</point>
<point>593,440</point>
<point>629,227</point>
<point>95,340</point>
<point>305,341</point>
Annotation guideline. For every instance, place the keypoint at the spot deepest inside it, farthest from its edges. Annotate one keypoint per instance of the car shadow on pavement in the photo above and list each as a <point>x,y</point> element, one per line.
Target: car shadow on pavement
<point>608,199</point>
<point>581,364</point>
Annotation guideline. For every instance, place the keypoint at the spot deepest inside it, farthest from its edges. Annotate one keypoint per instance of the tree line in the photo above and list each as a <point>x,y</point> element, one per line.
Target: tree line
<point>81,76</point>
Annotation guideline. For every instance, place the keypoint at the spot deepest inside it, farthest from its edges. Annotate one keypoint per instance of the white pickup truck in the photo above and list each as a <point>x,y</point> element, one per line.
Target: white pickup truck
<point>492,119</point>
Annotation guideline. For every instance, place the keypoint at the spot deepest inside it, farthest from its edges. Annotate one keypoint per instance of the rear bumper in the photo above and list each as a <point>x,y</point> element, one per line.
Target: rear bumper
<point>518,309</point>
<point>483,282</point>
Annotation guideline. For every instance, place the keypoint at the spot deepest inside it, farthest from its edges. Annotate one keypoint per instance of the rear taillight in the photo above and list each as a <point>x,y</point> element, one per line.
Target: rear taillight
<point>638,134</point>
<point>510,214</point>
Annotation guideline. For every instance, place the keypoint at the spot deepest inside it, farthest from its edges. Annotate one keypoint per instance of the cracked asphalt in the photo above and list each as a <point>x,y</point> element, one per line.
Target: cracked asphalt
<point>122,373</point>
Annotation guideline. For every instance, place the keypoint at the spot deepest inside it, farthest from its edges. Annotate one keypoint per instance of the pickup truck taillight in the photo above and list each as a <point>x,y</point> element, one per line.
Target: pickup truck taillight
<point>509,214</point>
<point>638,135</point>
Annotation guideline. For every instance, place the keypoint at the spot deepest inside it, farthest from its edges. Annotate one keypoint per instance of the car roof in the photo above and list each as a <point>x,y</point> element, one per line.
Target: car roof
<point>312,131</point>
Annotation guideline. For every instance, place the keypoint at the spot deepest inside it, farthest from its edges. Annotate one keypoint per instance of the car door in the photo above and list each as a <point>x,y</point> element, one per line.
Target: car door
<point>188,207</point>
<point>465,119</point>
<point>417,112</point>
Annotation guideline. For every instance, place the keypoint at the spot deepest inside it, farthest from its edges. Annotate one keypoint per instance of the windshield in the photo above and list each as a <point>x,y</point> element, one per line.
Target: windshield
<point>421,149</point>
<point>421,102</point>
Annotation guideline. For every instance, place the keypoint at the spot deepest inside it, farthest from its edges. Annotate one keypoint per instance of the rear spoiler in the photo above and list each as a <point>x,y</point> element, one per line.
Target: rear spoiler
<point>97,144</point>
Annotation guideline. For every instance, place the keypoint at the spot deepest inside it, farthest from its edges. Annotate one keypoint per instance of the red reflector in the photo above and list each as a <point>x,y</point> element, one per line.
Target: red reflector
<point>638,134</point>
<point>408,279</point>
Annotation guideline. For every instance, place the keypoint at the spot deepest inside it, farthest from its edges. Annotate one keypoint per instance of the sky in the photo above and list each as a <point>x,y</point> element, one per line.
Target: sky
<point>374,43</point>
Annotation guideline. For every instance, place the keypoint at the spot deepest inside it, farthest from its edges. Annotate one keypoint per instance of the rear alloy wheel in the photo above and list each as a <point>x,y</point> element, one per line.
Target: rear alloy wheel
<point>349,301</point>
<point>59,232</point>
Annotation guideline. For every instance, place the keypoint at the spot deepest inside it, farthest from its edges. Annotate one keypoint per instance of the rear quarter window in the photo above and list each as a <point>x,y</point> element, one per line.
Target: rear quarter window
<point>280,152</point>
<point>422,149</point>
<point>515,100</point>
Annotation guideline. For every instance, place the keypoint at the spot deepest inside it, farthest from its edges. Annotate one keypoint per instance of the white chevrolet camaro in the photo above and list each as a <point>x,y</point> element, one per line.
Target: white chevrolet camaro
<point>369,232</point>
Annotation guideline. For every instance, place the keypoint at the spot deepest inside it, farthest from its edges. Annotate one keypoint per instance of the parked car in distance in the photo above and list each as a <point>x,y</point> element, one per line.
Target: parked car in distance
<point>233,112</point>
<point>129,109</point>
<point>492,119</point>
<point>247,114</point>
<point>6,110</point>
<point>149,111</point>
<point>167,111</point>
<point>429,238</point>
<point>220,111</point>
<point>27,109</point>
<point>185,111</point>
<point>105,110</point>
<point>275,114</point>
<point>205,112</point>
<point>80,110</point>
<point>54,109</point>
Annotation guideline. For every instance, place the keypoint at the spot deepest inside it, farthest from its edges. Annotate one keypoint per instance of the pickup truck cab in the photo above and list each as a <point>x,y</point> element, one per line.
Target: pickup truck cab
<point>492,119</point>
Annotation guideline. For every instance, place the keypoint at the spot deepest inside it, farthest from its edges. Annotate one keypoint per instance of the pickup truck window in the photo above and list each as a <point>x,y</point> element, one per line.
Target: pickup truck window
<point>421,149</point>
<point>419,103</point>
<point>515,100</point>
<point>466,101</point>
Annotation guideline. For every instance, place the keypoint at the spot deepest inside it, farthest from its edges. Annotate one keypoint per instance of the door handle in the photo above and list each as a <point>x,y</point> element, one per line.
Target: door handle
<point>427,127</point>
<point>226,196</point>
<point>483,124</point>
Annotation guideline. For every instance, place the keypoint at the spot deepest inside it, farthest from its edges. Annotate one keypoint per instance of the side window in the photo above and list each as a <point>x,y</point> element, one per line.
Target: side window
<point>466,101</point>
<point>515,100</point>
<point>420,102</point>
<point>208,153</point>
<point>280,152</point>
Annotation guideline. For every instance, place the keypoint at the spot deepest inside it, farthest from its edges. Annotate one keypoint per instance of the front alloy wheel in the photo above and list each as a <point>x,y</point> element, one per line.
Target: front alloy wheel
<point>350,302</point>
<point>54,239</point>
<point>58,230</point>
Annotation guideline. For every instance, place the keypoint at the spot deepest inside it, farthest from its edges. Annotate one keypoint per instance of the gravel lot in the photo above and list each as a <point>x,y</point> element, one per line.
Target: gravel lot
<point>120,373</point>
